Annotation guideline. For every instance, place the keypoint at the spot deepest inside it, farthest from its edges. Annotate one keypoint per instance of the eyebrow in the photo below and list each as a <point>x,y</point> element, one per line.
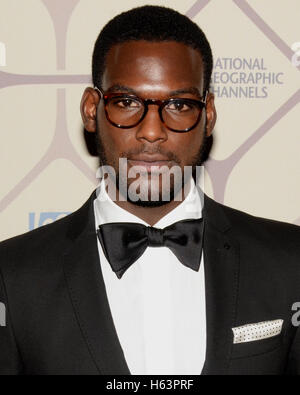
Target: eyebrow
<point>122,88</point>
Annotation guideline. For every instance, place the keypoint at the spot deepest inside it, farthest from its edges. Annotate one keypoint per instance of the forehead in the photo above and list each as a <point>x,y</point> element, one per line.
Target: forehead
<point>154,66</point>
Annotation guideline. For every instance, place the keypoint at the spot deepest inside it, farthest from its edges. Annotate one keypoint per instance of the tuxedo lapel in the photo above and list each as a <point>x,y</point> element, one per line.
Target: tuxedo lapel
<point>221,263</point>
<point>87,292</point>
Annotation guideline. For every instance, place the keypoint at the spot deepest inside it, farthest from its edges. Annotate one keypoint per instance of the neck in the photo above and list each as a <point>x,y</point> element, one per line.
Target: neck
<point>151,215</point>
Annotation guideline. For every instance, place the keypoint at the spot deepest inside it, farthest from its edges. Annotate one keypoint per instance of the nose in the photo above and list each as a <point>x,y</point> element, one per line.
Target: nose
<point>151,128</point>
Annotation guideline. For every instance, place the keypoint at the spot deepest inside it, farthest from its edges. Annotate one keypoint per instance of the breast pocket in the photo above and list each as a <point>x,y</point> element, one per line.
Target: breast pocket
<point>257,347</point>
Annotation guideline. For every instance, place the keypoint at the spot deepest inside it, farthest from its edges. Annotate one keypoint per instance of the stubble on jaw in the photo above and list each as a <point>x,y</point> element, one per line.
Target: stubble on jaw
<point>198,160</point>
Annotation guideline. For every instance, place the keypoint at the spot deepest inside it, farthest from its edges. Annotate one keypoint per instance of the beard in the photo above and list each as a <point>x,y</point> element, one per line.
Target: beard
<point>175,187</point>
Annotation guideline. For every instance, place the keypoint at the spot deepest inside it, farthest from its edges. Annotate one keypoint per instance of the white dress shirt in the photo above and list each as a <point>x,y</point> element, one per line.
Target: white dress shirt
<point>158,306</point>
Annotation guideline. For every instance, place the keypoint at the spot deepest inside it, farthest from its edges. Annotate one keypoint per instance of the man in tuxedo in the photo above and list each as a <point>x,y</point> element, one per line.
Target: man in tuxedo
<point>129,284</point>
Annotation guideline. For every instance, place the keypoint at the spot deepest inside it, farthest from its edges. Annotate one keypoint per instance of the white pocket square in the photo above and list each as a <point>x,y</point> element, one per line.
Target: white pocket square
<point>258,331</point>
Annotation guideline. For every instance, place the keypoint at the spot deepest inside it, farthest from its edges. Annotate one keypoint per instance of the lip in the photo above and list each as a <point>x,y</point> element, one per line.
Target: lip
<point>150,164</point>
<point>149,158</point>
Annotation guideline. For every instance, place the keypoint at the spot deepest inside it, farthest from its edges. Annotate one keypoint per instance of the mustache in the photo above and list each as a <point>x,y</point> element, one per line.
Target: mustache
<point>150,151</point>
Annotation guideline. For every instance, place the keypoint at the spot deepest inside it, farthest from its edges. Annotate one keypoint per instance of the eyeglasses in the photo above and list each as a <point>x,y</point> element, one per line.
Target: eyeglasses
<point>126,111</point>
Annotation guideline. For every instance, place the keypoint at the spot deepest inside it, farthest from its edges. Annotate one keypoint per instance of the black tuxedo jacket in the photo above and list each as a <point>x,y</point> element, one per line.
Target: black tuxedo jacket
<point>58,320</point>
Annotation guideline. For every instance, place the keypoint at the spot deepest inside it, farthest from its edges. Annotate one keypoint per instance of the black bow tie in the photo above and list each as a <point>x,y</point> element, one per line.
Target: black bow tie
<point>125,242</point>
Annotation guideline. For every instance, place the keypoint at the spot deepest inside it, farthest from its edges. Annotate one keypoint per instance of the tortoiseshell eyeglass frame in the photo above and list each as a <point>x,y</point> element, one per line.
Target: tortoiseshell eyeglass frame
<point>146,102</point>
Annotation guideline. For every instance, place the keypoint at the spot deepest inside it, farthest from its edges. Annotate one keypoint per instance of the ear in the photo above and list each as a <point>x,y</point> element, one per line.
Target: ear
<point>211,113</point>
<point>88,108</point>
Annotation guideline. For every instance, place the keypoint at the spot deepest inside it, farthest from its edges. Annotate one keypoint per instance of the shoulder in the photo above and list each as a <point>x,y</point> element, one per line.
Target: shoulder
<point>46,244</point>
<point>268,250</point>
<point>259,230</point>
<point>263,227</point>
<point>47,240</point>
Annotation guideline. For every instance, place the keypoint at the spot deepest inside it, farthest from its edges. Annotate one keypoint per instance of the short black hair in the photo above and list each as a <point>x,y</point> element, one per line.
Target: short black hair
<point>150,23</point>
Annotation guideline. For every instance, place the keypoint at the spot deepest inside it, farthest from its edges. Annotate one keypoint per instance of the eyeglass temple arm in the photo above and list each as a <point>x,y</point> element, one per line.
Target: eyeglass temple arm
<point>99,90</point>
<point>205,96</point>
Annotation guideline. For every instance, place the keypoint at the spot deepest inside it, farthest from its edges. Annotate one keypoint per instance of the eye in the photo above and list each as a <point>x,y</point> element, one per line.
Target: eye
<point>127,103</point>
<point>179,106</point>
